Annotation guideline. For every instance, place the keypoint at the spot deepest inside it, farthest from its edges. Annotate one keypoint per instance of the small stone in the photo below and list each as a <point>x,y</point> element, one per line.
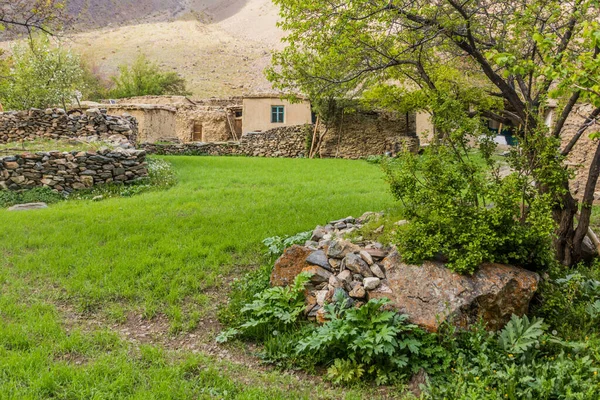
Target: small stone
<point>366,257</point>
<point>402,222</point>
<point>334,263</point>
<point>318,233</point>
<point>356,264</point>
<point>340,248</point>
<point>377,271</point>
<point>377,253</point>
<point>379,230</point>
<point>319,275</point>
<point>28,206</point>
<point>358,292</point>
<point>320,296</point>
<point>97,198</point>
<point>318,258</point>
<point>321,316</point>
<point>335,282</point>
<point>371,283</point>
<point>340,225</point>
<point>345,276</point>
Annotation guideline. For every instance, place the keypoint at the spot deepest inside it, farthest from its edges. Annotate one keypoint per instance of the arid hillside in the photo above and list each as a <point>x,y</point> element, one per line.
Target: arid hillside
<point>220,46</point>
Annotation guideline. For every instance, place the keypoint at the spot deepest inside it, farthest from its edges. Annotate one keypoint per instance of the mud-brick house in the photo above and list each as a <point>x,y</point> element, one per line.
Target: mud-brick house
<point>264,111</point>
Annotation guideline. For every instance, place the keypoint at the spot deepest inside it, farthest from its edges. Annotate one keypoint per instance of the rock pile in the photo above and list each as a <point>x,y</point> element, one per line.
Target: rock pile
<point>68,171</point>
<point>336,264</point>
<point>57,124</point>
<point>429,294</point>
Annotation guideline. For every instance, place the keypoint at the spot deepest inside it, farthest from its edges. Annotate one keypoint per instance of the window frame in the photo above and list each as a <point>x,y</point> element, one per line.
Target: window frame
<point>278,114</point>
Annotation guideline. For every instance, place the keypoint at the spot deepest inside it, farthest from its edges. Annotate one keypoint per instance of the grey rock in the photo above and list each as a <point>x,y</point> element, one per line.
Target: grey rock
<point>366,257</point>
<point>318,258</point>
<point>371,283</point>
<point>340,248</point>
<point>357,265</point>
<point>377,271</point>
<point>28,206</point>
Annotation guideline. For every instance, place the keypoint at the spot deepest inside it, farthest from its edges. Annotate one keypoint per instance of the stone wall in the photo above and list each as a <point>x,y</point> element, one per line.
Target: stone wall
<point>287,142</point>
<point>362,134</point>
<point>57,124</point>
<point>582,154</point>
<point>66,172</point>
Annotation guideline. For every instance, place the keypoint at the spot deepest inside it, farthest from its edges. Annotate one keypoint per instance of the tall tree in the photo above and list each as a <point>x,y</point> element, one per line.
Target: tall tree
<point>461,61</point>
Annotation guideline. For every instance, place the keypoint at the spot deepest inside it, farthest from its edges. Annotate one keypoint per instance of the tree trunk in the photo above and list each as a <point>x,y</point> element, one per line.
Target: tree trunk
<point>569,240</point>
<point>586,205</point>
<point>564,216</point>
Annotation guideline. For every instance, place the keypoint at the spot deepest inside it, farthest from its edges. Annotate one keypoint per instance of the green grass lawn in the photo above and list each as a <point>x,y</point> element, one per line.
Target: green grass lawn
<point>159,253</point>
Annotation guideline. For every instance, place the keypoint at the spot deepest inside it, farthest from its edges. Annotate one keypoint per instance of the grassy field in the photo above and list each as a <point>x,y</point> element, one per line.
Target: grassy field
<point>80,280</point>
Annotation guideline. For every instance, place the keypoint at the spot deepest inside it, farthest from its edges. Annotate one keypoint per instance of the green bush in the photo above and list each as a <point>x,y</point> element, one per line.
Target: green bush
<point>568,301</point>
<point>457,213</point>
<point>520,362</point>
<point>367,343</point>
<point>36,195</point>
<point>275,309</point>
<point>145,78</point>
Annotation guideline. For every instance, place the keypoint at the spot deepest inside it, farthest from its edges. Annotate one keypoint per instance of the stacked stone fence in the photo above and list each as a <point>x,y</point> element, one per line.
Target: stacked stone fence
<point>289,142</point>
<point>57,124</point>
<point>68,171</point>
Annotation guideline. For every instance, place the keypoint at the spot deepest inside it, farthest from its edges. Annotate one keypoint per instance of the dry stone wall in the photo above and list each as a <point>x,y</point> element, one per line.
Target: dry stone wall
<point>582,154</point>
<point>287,142</point>
<point>68,171</point>
<point>57,124</point>
<point>362,134</point>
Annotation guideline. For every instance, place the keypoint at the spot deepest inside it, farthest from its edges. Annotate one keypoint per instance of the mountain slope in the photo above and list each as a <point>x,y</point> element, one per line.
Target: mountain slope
<point>220,46</point>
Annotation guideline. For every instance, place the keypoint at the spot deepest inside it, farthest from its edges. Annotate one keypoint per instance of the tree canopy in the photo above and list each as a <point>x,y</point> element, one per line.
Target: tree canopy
<point>461,61</point>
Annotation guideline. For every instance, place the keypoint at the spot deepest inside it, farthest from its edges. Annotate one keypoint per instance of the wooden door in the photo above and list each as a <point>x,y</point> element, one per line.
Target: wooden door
<point>197,136</point>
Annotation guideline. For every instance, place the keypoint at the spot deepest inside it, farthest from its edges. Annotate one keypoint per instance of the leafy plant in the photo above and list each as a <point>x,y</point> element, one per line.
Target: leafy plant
<point>274,309</point>
<point>458,214</point>
<point>520,334</point>
<point>365,341</point>
<point>276,244</point>
<point>36,195</point>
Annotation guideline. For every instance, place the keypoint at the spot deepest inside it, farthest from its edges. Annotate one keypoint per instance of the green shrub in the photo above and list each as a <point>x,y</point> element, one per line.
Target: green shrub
<point>276,309</point>
<point>458,214</point>
<point>568,301</point>
<point>145,78</point>
<point>36,195</point>
<point>520,362</point>
<point>366,343</point>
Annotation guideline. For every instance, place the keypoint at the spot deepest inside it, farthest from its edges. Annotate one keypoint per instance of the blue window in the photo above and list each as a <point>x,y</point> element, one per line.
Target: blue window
<point>277,114</point>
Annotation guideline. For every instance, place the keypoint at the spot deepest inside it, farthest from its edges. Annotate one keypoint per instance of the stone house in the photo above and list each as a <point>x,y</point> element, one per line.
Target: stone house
<point>262,112</point>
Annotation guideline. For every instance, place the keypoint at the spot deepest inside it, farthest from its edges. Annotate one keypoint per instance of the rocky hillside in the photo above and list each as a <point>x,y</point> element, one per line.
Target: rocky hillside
<point>220,46</point>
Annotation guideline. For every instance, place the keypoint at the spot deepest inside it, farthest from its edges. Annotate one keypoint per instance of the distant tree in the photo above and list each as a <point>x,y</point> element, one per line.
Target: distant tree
<point>146,78</point>
<point>30,15</point>
<point>42,75</point>
<point>461,61</point>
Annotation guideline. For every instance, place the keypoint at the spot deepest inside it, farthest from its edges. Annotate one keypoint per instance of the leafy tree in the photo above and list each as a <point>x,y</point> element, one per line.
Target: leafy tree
<point>145,78</point>
<point>42,75</point>
<point>27,15</point>
<point>463,61</point>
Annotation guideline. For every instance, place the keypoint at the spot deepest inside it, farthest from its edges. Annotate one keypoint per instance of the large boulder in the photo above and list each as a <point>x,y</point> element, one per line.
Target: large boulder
<point>289,265</point>
<point>431,294</point>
